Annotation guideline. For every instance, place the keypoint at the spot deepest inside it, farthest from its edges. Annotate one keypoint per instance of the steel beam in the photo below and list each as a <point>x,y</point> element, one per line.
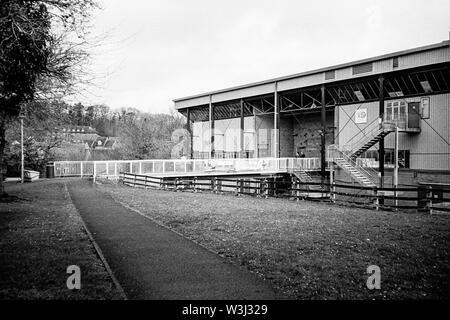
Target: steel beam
<point>276,124</point>
<point>324,129</point>
<point>381,142</point>
<point>189,130</point>
<point>211,127</point>
<point>242,128</point>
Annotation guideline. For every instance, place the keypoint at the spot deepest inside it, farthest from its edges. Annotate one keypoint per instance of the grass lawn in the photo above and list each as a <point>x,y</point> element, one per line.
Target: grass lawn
<point>41,234</point>
<point>310,250</point>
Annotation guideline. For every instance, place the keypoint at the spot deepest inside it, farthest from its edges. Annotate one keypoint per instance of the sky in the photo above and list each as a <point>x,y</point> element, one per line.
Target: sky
<point>152,52</point>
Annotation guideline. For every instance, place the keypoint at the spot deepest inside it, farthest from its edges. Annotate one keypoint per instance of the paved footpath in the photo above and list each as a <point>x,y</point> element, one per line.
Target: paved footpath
<point>152,262</point>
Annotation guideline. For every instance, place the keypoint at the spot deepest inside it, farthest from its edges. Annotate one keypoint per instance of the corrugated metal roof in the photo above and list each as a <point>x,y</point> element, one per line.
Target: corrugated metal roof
<point>340,66</point>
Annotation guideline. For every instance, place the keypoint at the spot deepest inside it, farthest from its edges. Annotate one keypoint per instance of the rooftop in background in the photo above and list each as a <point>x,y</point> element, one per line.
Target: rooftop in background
<point>76,129</point>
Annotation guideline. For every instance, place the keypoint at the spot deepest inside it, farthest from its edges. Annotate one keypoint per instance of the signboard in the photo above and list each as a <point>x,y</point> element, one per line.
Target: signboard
<point>361,116</point>
<point>425,107</point>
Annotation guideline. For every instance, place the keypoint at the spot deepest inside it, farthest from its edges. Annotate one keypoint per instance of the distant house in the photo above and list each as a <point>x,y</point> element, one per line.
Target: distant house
<point>77,129</point>
<point>76,134</point>
<point>101,143</point>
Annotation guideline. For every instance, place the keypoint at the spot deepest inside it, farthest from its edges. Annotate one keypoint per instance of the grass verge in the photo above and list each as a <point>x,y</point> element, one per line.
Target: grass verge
<point>41,234</point>
<point>310,250</point>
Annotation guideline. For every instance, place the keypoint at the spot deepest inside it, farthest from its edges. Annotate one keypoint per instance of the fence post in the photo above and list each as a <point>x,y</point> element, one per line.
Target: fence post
<point>430,199</point>
<point>376,200</point>
<point>145,183</point>
<point>81,169</point>
<point>266,189</point>
<point>95,170</point>
<point>194,182</point>
<point>258,189</point>
<point>333,193</point>
<point>140,167</point>
<point>293,182</point>
<point>131,167</point>
<point>331,182</point>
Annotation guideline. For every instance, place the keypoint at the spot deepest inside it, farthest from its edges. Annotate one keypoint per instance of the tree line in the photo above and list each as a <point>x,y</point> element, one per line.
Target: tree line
<point>138,134</point>
<point>44,52</point>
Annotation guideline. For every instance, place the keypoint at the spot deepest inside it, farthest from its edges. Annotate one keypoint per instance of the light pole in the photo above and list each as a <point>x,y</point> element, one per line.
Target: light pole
<point>22,173</point>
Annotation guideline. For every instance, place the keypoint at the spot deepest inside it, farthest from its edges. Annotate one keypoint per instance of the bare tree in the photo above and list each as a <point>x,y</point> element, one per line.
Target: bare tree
<point>42,48</point>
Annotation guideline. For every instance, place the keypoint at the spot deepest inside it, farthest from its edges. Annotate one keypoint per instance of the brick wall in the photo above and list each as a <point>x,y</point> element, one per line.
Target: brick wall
<point>286,137</point>
<point>307,136</point>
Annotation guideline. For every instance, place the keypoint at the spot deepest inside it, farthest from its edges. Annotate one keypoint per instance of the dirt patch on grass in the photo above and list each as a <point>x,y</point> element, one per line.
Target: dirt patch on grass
<point>310,250</point>
<point>41,234</point>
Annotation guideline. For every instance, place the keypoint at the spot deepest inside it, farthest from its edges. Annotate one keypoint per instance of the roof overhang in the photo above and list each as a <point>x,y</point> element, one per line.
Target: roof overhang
<point>413,58</point>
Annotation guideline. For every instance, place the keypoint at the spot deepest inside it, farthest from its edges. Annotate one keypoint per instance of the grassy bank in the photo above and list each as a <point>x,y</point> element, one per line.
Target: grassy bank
<point>41,234</point>
<point>310,250</point>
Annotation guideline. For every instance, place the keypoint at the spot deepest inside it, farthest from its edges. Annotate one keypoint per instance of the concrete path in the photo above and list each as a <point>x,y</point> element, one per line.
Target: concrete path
<point>152,262</point>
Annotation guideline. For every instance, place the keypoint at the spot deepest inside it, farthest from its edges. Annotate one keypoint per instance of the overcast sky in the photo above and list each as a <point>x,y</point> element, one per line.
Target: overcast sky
<point>156,51</point>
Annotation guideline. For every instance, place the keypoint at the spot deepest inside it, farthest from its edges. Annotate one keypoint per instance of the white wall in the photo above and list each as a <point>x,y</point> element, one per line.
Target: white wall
<point>428,148</point>
<point>227,135</point>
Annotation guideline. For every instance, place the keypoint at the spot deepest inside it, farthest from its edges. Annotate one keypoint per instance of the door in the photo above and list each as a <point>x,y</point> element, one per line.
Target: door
<point>413,114</point>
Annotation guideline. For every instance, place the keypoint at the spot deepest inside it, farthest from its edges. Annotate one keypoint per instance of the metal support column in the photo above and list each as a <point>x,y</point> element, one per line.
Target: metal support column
<point>276,124</point>
<point>381,143</point>
<point>396,167</point>
<point>211,127</point>
<point>242,130</point>
<point>189,130</point>
<point>323,114</point>
<point>255,137</point>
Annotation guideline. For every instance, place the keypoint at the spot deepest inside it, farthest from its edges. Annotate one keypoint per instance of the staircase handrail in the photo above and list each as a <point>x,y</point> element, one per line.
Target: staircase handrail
<point>369,173</point>
<point>364,139</point>
<point>374,124</point>
<point>372,133</point>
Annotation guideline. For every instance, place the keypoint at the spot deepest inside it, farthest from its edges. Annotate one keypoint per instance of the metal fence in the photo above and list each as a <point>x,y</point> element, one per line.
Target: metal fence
<point>112,168</point>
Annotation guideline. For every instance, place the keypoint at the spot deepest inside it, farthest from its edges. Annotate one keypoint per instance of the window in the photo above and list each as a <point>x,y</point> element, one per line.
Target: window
<point>362,68</point>
<point>403,157</point>
<point>395,112</point>
<point>395,63</point>
<point>330,75</point>
<point>425,107</point>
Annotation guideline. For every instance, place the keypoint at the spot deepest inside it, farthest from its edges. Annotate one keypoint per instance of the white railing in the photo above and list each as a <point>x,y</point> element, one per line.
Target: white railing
<point>112,168</point>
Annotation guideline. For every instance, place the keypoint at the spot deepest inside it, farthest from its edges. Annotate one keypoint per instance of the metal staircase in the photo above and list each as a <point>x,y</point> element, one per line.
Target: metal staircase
<point>346,157</point>
<point>365,176</point>
<point>370,139</point>
<point>356,174</point>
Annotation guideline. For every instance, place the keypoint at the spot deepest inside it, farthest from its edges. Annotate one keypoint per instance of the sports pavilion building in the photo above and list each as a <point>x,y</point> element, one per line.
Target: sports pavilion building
<point>351,108</point>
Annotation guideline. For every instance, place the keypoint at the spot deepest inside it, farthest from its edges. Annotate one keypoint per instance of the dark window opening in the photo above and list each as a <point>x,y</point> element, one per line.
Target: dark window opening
<point>403,157</point>
<point>362,68</point>
<point>395,63</point>
<point>330,75</point>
